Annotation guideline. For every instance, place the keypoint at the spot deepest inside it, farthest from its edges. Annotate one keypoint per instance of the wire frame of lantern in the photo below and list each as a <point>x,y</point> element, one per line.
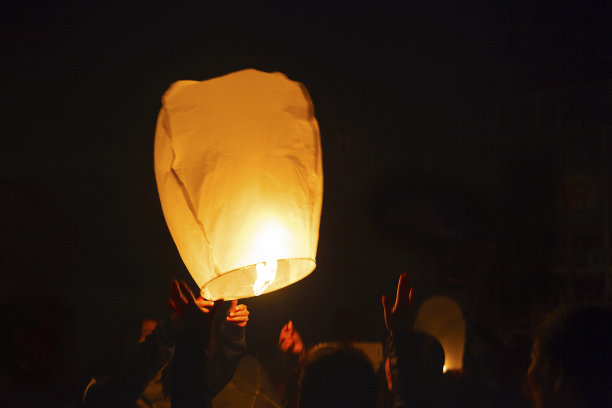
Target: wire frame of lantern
<point>239,175</point>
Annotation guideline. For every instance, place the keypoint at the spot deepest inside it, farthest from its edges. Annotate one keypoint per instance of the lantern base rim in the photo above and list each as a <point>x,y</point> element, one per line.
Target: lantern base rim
<point>238,283</point>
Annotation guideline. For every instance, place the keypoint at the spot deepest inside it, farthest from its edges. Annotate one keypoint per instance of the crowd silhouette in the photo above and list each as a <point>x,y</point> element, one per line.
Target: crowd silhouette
<point>187,359</point>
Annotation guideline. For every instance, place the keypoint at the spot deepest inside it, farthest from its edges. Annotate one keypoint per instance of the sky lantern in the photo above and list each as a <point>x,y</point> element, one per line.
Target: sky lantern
<point>441,317</point>
<point>240,179</point>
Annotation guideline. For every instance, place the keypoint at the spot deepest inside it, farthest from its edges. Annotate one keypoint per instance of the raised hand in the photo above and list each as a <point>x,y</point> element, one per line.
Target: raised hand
<point>189,312</point>
<point>397,317</point>
<point>290,340</point>
<point>193,319</point>
<point>238,314</point>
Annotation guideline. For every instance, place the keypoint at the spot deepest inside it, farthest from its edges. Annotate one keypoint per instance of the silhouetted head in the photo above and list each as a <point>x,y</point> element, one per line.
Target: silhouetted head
<point>420,358</point>
<point>571,359</point>
<point>336,376</point>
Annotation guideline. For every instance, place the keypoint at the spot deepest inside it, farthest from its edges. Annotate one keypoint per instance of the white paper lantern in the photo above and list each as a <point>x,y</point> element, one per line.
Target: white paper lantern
<point>240,179</point>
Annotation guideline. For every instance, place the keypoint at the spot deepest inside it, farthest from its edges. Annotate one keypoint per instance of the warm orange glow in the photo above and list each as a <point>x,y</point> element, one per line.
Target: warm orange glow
<point>239,175</point>
<point>266,273</point>
<point>270,243</point>
<point>441,317</point>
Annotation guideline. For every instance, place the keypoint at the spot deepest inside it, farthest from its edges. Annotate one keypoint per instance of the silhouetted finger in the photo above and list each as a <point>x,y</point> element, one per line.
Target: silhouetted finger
<point>187,293</point>
<point>201,302</point>
<point>403,290</point>
<point>176,294</point>
<point>386,303</point>
<point>173,305</point>
<point>286,344</point>
<point>239,308</point>
<point>239,313</point>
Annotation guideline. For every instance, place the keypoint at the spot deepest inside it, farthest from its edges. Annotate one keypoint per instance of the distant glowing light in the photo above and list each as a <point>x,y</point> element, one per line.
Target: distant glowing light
<point>441,317</point>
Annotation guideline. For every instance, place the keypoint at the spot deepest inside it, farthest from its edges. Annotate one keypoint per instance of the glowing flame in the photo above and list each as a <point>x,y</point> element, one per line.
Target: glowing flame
<point>266,272</point>
<point>444,368</point>
<point>269,244</point>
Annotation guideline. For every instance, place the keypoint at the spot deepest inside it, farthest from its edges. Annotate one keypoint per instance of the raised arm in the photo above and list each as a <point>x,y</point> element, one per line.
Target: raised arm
<point>194,319</point>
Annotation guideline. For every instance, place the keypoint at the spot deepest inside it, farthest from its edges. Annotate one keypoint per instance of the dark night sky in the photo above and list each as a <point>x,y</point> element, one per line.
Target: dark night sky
<point>415,164</point>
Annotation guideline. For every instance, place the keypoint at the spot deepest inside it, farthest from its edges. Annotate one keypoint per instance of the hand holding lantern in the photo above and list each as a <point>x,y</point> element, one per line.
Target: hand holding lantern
<point>191,313</point>
<point>238,314</point>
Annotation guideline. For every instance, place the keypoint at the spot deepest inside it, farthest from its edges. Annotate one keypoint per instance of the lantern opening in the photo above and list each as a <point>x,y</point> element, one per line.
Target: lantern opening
<point>268,244</point>
<point>266,272</point>
<point>238,284</point>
